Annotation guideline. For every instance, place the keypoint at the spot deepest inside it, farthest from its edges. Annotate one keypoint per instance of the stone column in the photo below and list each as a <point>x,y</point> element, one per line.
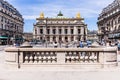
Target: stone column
<point>44,30</point>
<point>63,38</point>
<point>60,57</point>
<point>57,30</point>
<point>75,38</point>
<point>101,59</point>
<point>69,38</point>
<point>21,57</point>
<point>57,38</point>
<point>51,38</point>
<point>44,33</point>
<point>69,30</point>
<point>63,30</point>
<point>34,35</point>
<point>51,30</point>
<point>75,30</point>
<point>75,33</point>
<point>82,33</point>
<point>82,30</point>
<point>38,33</point>
<point>86,32</point>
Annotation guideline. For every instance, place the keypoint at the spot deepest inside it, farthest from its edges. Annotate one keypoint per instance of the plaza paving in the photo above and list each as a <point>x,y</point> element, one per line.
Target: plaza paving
<point>64,74</point>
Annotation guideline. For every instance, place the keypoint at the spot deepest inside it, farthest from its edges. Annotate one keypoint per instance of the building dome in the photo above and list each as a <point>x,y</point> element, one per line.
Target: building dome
<point>78,15</point>
<point>42,15</point>
<point>59,14</point>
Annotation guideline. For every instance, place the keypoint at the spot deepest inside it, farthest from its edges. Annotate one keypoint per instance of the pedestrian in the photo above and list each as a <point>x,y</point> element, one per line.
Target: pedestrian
<point>118,45</point>
<point>55,44</point>
<point>110,43</point>
<point>116,42</point>
<point>66,44</point>
<point>81,44</point>
<point>14,44</point>
<point>89,43</point>
<point>103,43</point>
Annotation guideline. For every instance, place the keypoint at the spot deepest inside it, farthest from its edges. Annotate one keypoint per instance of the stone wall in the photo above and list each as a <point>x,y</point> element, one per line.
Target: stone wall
<point>62,57</point>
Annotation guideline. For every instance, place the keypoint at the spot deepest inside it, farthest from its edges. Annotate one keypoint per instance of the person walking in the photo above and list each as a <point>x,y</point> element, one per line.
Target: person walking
<point>118,45</point>
<point>81,44</point>
<point>55,44</point>
<point>66,44</point>
<point>89,43</point>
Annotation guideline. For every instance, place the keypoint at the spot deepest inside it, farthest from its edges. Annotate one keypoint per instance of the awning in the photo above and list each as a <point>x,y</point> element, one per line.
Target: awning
<point>114,36</point>
<point>18,38</point>
<point>2,37</point>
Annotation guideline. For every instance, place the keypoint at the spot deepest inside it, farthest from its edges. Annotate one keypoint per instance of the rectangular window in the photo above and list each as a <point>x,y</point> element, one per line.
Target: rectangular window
<point>66,31</point>
<point>2,19</point>
<point>79,31</point>
<point>71,31</point>
<point>40,38</point>
<point>41,31</point>
<point>1,26</point>
<point>48,31</point>
<point>54,31</point>
<point>5,20</point>
<point>60,31</point>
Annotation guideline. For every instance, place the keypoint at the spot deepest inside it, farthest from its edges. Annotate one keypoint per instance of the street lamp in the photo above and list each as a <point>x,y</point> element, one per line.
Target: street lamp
<point>105,34</point>
<point>85,34</point>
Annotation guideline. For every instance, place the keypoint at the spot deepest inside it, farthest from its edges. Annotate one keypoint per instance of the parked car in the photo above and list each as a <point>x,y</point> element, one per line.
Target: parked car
<point>33,43</point>
<point>39,42</point>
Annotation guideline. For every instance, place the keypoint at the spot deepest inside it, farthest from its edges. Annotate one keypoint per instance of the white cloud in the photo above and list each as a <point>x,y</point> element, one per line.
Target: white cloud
<point>30,17</point>
<point>89,9</point>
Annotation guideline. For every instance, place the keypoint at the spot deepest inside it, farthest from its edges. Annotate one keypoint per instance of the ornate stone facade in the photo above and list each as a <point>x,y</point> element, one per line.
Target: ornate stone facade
<point>28,36</point>
<point>11,23</point>
<point>109,21</point>
<point>92,35</point>
<point>60,28</point>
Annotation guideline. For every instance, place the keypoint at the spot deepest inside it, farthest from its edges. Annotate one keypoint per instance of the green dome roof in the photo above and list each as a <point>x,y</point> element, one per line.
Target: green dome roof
<point>60,14</point>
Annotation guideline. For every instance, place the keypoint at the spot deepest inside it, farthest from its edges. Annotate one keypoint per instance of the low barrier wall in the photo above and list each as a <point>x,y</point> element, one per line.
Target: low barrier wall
<point>79,57</point>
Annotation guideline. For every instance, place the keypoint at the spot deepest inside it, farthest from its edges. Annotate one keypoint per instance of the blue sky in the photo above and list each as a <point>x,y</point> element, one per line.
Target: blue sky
<point>30,9</point>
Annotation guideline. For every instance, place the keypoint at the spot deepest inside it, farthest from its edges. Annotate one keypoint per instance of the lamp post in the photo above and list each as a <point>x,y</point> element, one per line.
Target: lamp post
<point>44,39</point>
<point>105,34</point>
<point>85,34</point>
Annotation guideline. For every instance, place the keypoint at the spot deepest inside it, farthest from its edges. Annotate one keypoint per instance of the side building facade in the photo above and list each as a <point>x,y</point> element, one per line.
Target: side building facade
<point>11,23</point>
<point>109,22</point>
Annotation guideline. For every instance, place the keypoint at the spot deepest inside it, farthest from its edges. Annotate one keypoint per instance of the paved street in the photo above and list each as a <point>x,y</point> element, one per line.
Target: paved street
<point>2,47</point>
<point>65,74</point>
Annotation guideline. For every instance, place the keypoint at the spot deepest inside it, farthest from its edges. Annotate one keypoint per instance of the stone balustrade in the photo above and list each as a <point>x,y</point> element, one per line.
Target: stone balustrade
<point>101,57</point>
